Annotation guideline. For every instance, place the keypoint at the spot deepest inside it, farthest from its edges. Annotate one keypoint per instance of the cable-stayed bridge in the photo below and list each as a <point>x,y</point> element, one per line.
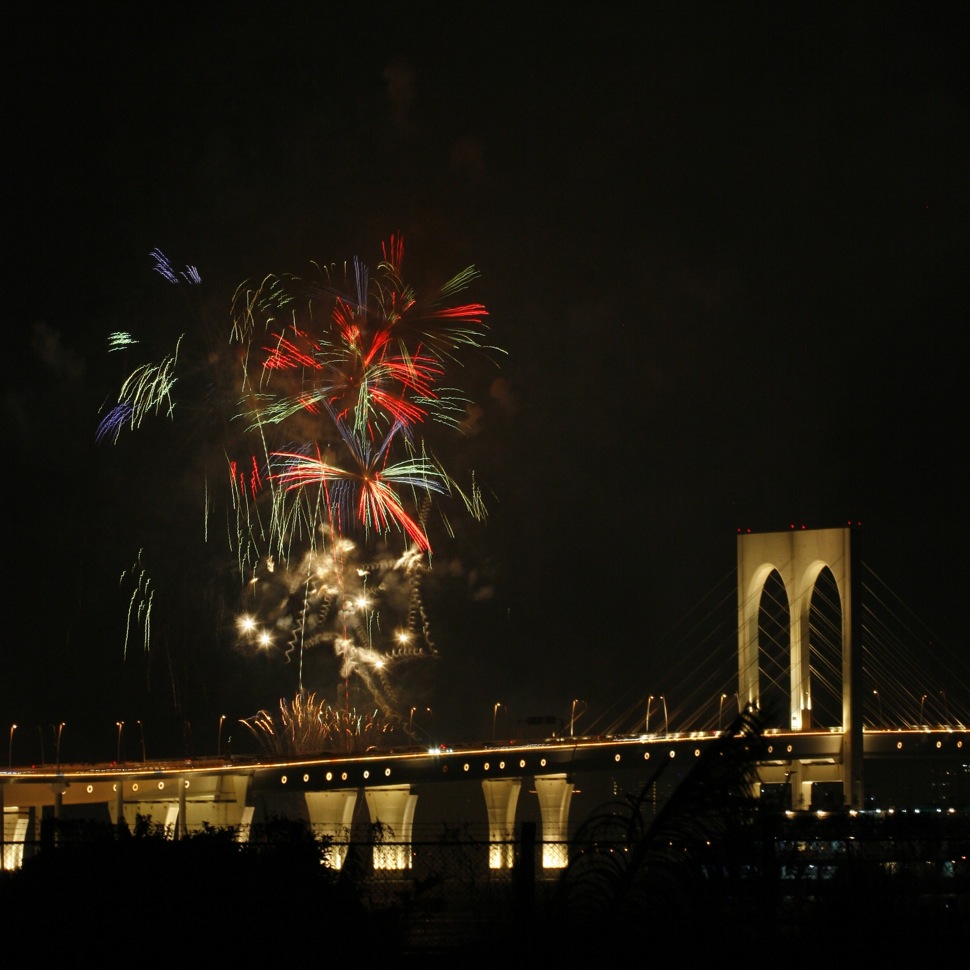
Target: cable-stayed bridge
<point>811,642</point>
<point>909,677</point>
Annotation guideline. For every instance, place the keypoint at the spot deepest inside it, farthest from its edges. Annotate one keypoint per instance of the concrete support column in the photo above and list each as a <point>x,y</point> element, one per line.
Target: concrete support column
<point>119,805</point>
<point>14,823</point>
<point>801,787</point>
<point>182,826</point>
<point>801,679</point>
<point>853,792</point>
<point>331,814</point>
<point>555,793</point>
<point>501,798</point>
<point>749,600</point>
<point>58,788</point>
<point>170,819</point>
<point>391,808</point>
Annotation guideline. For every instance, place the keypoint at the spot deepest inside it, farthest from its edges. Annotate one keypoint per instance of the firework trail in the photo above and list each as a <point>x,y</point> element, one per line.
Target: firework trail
<point>163,266</point>
<point>339,381</point>
<point>140,604</point>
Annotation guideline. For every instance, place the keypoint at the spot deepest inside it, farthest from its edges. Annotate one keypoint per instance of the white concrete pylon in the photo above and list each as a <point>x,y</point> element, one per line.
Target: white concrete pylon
<point>501,798</point>
<point>331,815</point>
<point>391,809</point>
<point>798,556</point>
<point>555,794</point>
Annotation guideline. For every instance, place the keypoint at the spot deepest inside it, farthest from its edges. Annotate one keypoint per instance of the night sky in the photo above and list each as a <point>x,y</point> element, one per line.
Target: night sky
<point>724,248</point>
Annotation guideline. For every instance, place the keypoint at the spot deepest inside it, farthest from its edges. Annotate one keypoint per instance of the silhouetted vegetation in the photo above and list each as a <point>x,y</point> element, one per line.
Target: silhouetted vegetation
<point>716,870</point>
<point>116,887</point>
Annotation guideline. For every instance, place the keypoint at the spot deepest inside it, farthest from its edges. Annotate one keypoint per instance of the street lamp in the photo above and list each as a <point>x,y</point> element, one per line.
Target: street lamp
<point>720,711</point>
<point>13,727</point>
<point>498,704</point>
<point>222,717</point>
<point>882,723</point>
<point>40,733</point>
<point>922,701</point>
<point>120,726</point>
<point>946,713</point>
<point>411,724</point>
<point>646,726</point>
<point>572,714</point>
<point>141,734</point>
<point>664,699</point>
<point>60,727</point>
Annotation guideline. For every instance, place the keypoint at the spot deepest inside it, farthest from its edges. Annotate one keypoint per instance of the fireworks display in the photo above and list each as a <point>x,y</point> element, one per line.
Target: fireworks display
<point>308,726</point>
<point>335,388</point>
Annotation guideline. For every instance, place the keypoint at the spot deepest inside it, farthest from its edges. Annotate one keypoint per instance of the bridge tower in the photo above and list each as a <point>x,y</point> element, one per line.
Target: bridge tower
<point>799,556</point>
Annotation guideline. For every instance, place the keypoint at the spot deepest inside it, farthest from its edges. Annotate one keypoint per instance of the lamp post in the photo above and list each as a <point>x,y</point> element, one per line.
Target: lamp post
<point>572,715</point>
<point>411,724</point>
<point>222,717</point>
<point>57,744</point>
<point>664,699</point>
<point>120,726</point>
<point>40,734</point>
<point>946,713</point>
<point>13,727</point>
<point>922,701</point>
<point>882,723</point>
<point>495,708</point>
<point>720,711</point>
<point>646,725</point>
<point>141,735</point>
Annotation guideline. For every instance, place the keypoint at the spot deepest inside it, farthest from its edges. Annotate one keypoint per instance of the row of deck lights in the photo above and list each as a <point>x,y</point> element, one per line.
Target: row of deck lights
<point>577,708</point>
<point>330,776</point>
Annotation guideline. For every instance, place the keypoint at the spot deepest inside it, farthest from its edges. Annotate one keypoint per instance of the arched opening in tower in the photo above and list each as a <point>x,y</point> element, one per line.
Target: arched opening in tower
<point>774,661</point>
<point>825,657</point>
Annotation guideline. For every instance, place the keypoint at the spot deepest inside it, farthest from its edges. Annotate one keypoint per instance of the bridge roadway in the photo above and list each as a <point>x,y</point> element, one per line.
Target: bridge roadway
<point>222,792</point>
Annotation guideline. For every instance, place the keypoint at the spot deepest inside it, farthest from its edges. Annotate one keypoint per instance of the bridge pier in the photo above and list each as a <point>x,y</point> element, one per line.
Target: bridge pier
<point>391,807</point>
<point>118,815</point>
<point>501,798</point>
<point>555,794</point>
<point>13,833</point>
<point>331,815</point>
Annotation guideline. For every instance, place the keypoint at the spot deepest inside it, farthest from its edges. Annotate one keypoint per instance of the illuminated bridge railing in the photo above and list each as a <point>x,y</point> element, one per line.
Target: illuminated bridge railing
<point>474,763</point>
<point>377,768</point>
